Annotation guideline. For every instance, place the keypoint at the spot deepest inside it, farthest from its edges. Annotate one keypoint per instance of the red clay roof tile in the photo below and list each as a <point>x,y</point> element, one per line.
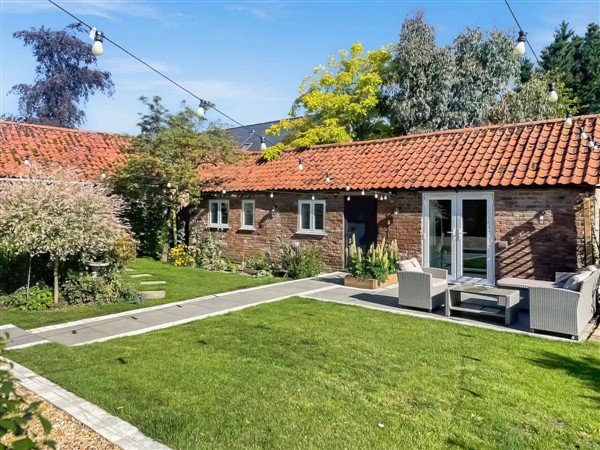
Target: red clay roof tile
<point>88,152</point>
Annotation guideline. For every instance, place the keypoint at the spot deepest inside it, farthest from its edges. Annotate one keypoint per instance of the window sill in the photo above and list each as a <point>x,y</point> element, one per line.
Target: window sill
<point>218,227</point>
<point>247,229</point>
<point>311,233</point>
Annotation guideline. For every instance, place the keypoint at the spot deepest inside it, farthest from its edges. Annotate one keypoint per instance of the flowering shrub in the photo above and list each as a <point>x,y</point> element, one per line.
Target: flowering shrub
<point>208,252</point>
<point>40,297</point>
<point>179,256</point>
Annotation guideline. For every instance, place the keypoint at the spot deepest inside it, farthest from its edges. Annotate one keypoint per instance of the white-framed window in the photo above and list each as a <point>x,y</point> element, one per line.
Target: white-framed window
<point>218,213</point>
<point>311,216</point>
<point>248,214</point>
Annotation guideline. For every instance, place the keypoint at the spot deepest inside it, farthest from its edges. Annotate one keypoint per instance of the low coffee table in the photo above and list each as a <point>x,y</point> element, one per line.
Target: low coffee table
<point>506,299</point>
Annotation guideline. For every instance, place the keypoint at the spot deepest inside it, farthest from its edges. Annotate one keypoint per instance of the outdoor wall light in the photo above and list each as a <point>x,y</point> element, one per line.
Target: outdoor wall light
<point>541,216</point>
<point>98,37</point>
<point>552,95</point>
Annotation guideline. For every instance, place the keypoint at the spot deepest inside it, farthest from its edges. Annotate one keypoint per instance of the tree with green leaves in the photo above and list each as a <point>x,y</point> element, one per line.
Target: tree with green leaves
<point>576,60</point>
<point>161,175</point>
<point>64,78</point>
<point>337,102</point>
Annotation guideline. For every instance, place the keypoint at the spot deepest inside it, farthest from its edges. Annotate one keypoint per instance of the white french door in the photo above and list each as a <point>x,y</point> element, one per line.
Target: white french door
<point>458,235</point>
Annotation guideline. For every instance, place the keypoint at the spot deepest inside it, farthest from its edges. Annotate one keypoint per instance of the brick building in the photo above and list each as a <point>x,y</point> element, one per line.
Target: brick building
<point>512,200</point>
<point>485,203</point>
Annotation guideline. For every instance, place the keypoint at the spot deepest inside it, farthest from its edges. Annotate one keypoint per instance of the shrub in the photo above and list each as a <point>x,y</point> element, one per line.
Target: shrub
<point>377,263</point>
<point>179,256</point>
<point>296,262</point>
<point>40,297</point>
<point>16,415</point>
<point>83,289</point>
<point>208,252</point>
<point>123,252</point>
<point>259,263</point>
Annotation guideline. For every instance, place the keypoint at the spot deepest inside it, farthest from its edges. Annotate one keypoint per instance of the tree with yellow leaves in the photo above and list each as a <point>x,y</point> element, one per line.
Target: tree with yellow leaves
<point>337,103</point>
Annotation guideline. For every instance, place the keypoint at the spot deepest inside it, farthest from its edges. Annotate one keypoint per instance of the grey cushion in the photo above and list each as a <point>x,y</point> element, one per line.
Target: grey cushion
<point>589,269</point>
<point>410,265</point>
<point>574,282</point>
<point>525,283</point>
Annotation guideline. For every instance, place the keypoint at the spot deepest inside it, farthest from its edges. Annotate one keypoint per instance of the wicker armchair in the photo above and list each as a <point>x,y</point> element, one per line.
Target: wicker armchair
<point>421,287</point>
<point>563,311</point>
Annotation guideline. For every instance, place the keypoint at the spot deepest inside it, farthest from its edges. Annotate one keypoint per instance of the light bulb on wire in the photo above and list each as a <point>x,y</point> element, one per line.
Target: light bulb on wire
<point>519,49</point>
<point>263,144</point>
<point>552,94</point>
<point>569,119</point>
<point>582,134</point>
<point>98,37</point>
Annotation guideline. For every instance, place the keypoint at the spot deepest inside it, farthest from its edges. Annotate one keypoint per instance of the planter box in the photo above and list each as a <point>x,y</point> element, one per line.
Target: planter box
<point>368,283</point>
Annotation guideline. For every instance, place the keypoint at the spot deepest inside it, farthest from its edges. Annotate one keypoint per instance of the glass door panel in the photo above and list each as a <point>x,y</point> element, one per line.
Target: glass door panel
<point>440,234</point>
<point>474,237</point>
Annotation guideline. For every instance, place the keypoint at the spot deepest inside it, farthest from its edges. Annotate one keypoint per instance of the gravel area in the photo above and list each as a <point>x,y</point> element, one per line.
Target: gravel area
<point>68,433</point>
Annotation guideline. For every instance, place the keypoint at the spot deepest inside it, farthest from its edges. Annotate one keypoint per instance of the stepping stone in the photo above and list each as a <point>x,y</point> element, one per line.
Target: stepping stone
<point>127,269</point>
<point>147,295</point>
<point>141,275</point>
<point>149,283</point>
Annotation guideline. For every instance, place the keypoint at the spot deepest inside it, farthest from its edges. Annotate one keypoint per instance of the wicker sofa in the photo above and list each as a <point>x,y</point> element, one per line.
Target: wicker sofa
<point>565,306</point>
<point>421,287</point>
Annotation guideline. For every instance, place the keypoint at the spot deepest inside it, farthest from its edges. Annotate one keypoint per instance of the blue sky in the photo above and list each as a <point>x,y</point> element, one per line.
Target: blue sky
<point>248,57</point>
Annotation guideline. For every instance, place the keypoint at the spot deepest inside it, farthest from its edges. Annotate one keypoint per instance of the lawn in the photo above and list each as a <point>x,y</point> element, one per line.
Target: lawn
<point>183,283</point>
<point>306,374</point>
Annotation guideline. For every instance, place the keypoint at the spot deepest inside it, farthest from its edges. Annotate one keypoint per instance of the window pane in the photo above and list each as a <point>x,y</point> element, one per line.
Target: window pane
<point>214,212</point>
<point>224,213</point>
<point>248,214</point>
<point>305,216</point>
<point>319,217</point>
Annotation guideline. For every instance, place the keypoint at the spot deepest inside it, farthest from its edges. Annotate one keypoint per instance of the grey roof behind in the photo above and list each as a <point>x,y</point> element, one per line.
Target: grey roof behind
<point>249,136</point>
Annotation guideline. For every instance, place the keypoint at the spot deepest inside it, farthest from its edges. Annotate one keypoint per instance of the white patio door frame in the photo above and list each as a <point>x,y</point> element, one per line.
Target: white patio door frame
<point>457,233</point>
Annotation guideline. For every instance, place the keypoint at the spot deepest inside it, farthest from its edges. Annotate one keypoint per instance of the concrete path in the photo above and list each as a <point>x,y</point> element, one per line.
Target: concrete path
<point>129,323</point>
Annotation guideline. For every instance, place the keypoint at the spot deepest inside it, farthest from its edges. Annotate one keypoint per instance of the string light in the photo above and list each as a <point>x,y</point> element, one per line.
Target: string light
<point>582,134</point>
<point>263,144</point>
<point>271,194</point>
<point>313,197</point>
<point>169,185</point>
<point>203,106</point>
<point>26,161</point>
<point>520,47</point>
<point>376,196</point>
<point>103,176</point>
<point>327,178</point>
<point>385,197</point>
<point>300,165</point>
<point>569,119</point>
<point>203,103</point>
<point>348,198</point>
<point>362,192</point>
<point>98,37</point>
<point>552,95</point>
<point>347,187</point>
<point>223,192</point>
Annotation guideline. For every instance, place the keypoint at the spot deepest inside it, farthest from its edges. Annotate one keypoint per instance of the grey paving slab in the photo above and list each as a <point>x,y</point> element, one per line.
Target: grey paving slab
<point>72,336</point>
<point>158,317</point>
<point>151,283</point>
<point>141,275</point>
<point>118,326</point>
<point>195,309</point>
<point>147,295</point>
<point>25,340</point>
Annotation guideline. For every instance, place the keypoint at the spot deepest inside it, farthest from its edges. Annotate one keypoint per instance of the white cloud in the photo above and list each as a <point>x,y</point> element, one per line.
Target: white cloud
<point>264,11</point>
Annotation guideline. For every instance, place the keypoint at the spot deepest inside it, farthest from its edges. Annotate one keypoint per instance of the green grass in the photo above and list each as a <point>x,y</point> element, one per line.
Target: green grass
<point>307,374</point>
<point>182,283</point>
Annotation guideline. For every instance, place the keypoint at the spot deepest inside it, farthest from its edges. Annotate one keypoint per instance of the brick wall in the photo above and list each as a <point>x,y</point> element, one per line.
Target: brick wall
<point>535,249</point>
<point>275,228</point>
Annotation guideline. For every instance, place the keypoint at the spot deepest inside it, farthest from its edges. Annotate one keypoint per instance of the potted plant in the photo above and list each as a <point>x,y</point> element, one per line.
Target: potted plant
<point>372,269</point>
